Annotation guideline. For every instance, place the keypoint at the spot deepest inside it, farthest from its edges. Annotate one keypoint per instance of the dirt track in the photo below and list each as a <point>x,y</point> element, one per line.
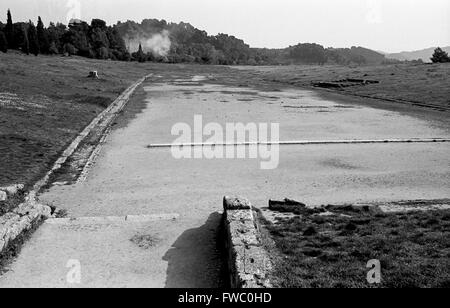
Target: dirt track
<point>130,179</point>
<point>377,172</point>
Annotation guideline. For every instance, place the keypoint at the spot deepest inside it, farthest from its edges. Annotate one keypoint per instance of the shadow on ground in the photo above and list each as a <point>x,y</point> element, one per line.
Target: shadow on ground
<point>196,258</point>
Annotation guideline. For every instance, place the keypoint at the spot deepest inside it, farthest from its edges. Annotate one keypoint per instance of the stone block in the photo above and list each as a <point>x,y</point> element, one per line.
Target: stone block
<point>236,203</point>
<point>243,233</point>
<point>239,215</point>
<point>3,196</point>
<point>13,189</point>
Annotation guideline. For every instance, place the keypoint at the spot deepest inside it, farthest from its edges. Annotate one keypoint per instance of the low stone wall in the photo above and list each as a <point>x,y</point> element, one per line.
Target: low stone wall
<point>10,197</point>
<point>248,262</point>
<point>10,191</point>
<point>20,220</point>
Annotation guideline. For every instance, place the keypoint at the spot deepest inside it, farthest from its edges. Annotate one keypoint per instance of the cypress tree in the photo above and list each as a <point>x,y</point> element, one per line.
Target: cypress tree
<point>9,31</point>
<point>3,42</point>
<point>42,36</point>
<point>33,39</point>
<point>25,43</point>
<point>140,54</point>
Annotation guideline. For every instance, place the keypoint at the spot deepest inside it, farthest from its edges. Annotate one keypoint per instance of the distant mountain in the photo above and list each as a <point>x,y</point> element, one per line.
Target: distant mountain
<point>424,54</point>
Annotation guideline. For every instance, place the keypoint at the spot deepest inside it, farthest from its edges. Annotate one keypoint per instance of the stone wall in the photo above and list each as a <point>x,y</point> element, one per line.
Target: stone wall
<point>10,191</point>
<point>20,220</point>
<point>248,262</point>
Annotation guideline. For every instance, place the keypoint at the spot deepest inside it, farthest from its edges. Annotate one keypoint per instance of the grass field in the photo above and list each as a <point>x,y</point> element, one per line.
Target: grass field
<point>333,250</point>
<point>409,83</point>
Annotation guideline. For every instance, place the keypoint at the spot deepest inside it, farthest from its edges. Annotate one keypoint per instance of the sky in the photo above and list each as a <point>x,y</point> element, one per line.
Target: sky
<point>382,25</point>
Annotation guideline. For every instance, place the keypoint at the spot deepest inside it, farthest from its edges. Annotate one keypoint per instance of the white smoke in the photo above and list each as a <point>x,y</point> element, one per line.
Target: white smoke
<point>158,44</point>
<point>74,7</point>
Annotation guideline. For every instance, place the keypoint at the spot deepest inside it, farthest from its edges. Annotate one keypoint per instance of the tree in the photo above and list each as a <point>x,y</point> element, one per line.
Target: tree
<point>25,43</point>
<point>33,39</point>
<point>55,34</point>
<point>440,56</point>
<point>9,30</point>
<point>3,42</point>
<point>117,44</point>
<point>70,49</point>
<point>140,56</point>
<point>99,41</point>
<point>308,54</point>
<point>103,53</point>
<point>78,37</point>
<point>53,50</point>
<point>98,23</point>
<point>42,35</point>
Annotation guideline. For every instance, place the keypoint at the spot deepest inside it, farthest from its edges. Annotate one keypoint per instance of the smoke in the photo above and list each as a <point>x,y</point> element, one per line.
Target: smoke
<point>74,10</point>
<point>158,44</point>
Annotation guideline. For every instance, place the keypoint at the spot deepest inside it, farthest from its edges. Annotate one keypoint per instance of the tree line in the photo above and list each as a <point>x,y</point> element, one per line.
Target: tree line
<point>95,40</point>
<point>187,44</point>
<point>131,41</point>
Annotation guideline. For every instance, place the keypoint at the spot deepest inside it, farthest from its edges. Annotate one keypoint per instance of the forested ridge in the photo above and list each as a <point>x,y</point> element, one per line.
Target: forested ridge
<point>160,41</point>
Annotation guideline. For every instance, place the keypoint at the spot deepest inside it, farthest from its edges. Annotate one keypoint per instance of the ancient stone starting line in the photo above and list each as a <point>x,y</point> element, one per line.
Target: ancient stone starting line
<point>301,142</point>
<point>113,219</point>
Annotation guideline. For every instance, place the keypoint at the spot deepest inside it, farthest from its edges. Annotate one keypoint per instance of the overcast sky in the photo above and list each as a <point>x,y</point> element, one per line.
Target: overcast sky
<point>384,25</point>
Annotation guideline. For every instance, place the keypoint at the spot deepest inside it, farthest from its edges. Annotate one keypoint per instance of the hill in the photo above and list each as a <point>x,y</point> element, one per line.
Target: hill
<point>159,41</point>
<point>183,42</point>
<point>358,55</point>
<point>424,54</point>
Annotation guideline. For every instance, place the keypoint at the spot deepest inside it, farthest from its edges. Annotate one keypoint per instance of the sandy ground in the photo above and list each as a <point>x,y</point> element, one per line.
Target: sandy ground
<point>131,179</point>
<point>119,254</point>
